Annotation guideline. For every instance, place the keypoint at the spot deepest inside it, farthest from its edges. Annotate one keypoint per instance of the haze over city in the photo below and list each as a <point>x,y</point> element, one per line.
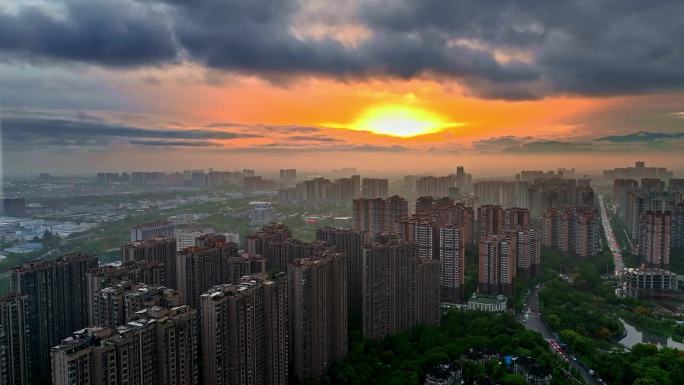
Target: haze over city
<point>350,192</point>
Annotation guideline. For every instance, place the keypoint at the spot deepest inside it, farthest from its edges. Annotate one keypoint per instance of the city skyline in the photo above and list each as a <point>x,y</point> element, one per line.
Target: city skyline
<point>386,84</point>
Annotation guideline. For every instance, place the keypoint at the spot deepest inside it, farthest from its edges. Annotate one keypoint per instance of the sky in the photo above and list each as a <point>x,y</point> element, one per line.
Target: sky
<point>387,86</point>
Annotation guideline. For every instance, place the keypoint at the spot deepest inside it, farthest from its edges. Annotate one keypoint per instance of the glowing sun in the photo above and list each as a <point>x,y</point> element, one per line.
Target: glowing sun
<point>399,120</point>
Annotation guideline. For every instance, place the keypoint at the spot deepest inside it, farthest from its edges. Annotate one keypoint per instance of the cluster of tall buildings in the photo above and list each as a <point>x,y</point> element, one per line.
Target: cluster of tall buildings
<point>652,211</point>
<point>639,171</point>
<point>379,215</point>
<point>545,191</point>
<point>321,192</point>
<point>574,231</point>
<point>509,247</point>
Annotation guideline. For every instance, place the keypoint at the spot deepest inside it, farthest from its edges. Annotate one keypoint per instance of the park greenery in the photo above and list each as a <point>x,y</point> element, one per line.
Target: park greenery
<point>586,313</point>
<point>404,358</point>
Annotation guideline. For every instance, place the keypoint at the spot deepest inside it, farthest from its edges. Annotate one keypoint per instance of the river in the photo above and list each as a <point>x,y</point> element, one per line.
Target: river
<point>635,336</point>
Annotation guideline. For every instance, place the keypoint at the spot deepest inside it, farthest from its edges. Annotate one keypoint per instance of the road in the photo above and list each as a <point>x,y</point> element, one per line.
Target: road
<point>610,237</point>
<point>531,319</point>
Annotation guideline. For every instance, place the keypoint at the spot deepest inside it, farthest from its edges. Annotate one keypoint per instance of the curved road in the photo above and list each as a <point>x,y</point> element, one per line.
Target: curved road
<point>531,319</point>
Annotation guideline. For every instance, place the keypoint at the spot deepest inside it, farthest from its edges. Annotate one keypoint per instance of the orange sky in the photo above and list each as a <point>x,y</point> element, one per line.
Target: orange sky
<point>315,102</point>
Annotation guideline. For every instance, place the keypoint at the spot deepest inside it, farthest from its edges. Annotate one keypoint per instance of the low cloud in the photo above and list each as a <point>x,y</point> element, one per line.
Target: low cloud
<point>643,137</point>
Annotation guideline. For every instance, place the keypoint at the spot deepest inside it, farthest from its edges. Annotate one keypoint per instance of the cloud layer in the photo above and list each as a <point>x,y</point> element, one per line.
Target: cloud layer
<point>496,49</point>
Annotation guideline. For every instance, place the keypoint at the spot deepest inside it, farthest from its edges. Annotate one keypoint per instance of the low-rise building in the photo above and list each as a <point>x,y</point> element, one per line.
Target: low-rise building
<point>486,302</point>
<point>648,282</point>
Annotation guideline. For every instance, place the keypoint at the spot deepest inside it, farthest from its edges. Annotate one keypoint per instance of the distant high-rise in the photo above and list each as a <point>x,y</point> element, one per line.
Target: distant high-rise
<point>157,249</point>
<point>639,171</point>
<point>356,186</point>
<point>374,188</point>
<point>350,243</point>
<point>318,308</point>
<point>435,186</point>
<point>58,302</point>
<point>391,288</point>
<point>376,216</point>
<point>245,332</point>
<point>620,189</point>
<point>288,175</point>
<point>15,365</point>
<point>497,264</point>
<point>160,347</point>
<point>654,238</point>
<point>490,220</point>
<point>152,230</point>
<point>652,184</point>
<point>203,266</point>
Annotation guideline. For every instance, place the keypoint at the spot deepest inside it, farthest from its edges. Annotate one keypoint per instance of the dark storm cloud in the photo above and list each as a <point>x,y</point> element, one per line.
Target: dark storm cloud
<point>497,49</point>
<point>112,33</point>
<point>174,143</point>
<point>643,137</point>
<point>18,132</point>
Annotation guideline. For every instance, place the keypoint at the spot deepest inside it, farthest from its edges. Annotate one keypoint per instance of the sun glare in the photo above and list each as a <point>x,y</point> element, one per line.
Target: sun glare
<point>401,121</point>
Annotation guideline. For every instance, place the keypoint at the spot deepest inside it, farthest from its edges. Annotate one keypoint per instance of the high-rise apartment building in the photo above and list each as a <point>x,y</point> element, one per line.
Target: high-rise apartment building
<point>318,309</point>
<point>444,212</point>
<point>620,189</point>
<point>350,243</point>
<point>515,217</point>
<point>677,227</point>
<point>572,231</point>
<point>451,254</point>
<point>159,347</point>
<point>203,266</point>
<point>498,264</point>
<point>428,291</point>
<point>377,216</point>
<point>391,288</point>
<point>528,251</point>
<point>157,249</point>
<point>279,255</point>
<point>652,184</point>
<point>490,220</point>
<point>245,332</point>
<point>288,175</point>
<point>424,232</point>
<point>57,295</point>
<point>142,271</point>
<point>435,186</point>
<point>257,243</point>
<point>118,304</point>
<point>372,188</point>
<point>497,192</point>
<point>15,365</point>
<point>654,238</point>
